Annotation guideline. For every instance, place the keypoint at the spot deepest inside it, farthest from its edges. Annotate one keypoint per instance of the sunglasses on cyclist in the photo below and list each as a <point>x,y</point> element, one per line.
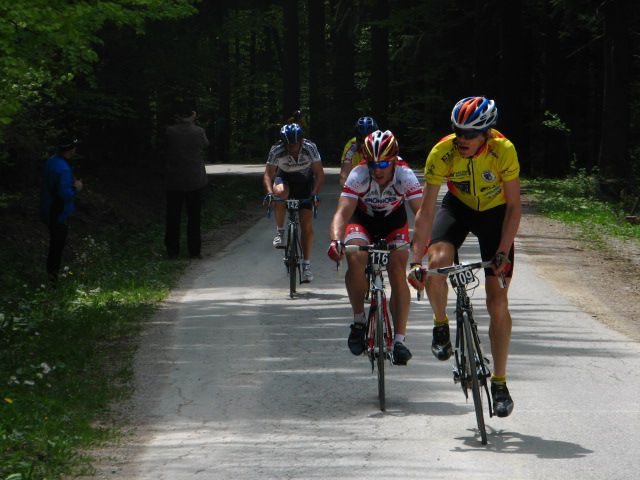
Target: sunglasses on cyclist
<point>467,134</point>
<point>383,164</point>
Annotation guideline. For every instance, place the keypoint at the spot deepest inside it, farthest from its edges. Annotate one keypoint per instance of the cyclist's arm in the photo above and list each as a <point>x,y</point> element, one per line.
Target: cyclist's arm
<point>344,211</point>
<point>268,177</point>
<point>424,221</point>
<point>512,215</point>
<point>345,170</point>
<point>318,177</point>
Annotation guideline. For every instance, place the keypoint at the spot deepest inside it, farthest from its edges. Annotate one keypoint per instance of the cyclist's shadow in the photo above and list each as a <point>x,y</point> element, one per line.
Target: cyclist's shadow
<point>501,441</point>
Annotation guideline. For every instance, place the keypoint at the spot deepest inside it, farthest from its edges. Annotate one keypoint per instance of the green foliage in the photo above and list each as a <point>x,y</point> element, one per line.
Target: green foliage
<point>66,354</point>
<point>46,43</point>
<point>576,200</point>
<point>553,121</point>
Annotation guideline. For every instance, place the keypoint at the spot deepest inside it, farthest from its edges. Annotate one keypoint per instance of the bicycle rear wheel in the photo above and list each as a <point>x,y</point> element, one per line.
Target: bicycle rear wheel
<point>293,259</point>
<point>472,371</point>
<point>379,343</point>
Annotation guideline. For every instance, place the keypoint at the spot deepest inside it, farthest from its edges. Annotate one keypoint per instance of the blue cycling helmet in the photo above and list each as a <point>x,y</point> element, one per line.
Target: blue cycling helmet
<point>365,126</point>
<point>291,133</point>
<point>474,113</point>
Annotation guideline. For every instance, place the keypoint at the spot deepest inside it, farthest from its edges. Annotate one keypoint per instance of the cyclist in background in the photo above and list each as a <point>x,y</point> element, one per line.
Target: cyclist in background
<point>372,207</point>
<point>482,170</point>
<point>352,153</point>
<point>294,170</point>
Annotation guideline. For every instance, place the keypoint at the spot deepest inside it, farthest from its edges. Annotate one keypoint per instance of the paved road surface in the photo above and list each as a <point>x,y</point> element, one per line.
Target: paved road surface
<point>255,385</point>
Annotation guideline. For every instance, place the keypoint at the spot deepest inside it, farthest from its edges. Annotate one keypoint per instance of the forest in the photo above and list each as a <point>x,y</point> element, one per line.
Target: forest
<point>564,74</point>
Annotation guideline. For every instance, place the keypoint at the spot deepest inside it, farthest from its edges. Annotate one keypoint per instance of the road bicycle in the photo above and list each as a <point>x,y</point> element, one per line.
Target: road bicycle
<point>471,368</point>
<point>292,247</point>
<point>379,331</point>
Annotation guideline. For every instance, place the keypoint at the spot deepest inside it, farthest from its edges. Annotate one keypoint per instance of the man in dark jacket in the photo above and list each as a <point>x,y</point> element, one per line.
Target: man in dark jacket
<point>57,201</point>
<point>185,180</point>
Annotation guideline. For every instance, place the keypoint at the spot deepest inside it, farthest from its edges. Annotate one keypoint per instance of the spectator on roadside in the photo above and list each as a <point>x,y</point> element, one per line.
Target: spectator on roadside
<point>185,180</point>
<point>57,201</point>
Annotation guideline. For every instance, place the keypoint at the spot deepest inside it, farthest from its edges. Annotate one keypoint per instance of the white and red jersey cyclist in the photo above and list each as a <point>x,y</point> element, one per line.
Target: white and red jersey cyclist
<point>381,210</point>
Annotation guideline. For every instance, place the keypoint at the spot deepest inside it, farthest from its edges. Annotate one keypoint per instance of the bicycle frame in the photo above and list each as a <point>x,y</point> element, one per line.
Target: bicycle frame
<point>471,367</point>
<point>379,331</point>
<point>293,247</point>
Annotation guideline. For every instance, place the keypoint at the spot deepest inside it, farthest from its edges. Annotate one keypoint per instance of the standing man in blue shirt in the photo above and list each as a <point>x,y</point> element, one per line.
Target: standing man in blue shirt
<point>57,201</point>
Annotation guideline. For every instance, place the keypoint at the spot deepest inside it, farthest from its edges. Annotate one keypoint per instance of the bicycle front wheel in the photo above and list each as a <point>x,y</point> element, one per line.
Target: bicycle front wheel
<point>472,371</point>
<point>293,259</point>
<point>379,343</point>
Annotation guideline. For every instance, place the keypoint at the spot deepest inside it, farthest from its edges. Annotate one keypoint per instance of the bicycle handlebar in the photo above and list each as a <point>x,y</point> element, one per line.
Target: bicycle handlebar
<point>368,248</point>
<point>462,267</point>
<point>313,201</point>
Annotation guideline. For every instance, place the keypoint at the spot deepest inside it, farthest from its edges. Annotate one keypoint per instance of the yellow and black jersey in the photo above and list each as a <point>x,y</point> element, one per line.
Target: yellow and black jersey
<point>477,181</point>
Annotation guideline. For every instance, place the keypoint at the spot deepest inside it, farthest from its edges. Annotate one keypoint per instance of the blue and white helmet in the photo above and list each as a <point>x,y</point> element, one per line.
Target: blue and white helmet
<point>474,113</point>
<point>291,133</point>
<point>365,126</point>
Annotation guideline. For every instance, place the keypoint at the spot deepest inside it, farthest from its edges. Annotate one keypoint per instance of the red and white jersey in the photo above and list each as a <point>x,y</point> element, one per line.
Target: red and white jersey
<point>373,201</point>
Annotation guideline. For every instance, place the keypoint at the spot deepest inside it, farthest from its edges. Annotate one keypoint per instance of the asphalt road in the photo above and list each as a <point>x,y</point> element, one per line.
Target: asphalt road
<point>250,384</point>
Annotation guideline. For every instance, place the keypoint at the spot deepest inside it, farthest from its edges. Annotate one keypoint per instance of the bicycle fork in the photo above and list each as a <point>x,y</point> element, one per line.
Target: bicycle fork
<point>479,362</point>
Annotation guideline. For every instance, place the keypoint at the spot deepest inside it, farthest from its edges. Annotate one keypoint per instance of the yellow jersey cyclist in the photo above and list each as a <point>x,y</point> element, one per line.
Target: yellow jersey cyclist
<point>352,153</point>
<point>482,172</point>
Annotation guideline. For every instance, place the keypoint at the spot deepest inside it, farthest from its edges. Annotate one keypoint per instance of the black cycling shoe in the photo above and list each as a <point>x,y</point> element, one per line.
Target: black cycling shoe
<point>502,401</point>
<point>401,354</point>
<point>441,343</point>
<point>356,338</point>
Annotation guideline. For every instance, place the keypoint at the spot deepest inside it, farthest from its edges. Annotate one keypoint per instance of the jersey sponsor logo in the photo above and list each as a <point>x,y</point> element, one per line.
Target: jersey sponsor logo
<point>491,192</point>
<point>489,176</point>
<point>382,200</point>
<point>463,186</point>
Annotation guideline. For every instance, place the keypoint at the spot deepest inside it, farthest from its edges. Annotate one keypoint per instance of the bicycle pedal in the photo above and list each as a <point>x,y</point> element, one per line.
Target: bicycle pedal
<point>281,247</point>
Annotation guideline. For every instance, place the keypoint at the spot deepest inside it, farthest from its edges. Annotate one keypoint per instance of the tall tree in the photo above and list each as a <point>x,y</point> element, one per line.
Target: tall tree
<point>344,20</point>
<point>613,157</point>
<point>291,58</point>
<point>317,68</point>
<point>380,61</point>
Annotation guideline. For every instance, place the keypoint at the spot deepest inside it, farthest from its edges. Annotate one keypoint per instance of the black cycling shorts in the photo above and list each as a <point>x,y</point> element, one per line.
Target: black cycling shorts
<point>300,186</point>
<point>454,220</point>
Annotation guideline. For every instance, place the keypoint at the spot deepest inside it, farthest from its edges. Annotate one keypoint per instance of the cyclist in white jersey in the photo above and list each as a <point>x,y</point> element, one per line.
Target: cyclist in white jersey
<point>294,170</point>
<point>372,207</point>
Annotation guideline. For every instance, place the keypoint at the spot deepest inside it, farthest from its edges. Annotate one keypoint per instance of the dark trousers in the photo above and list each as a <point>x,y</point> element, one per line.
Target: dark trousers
<point>57,239</point>
<point>175,200</point>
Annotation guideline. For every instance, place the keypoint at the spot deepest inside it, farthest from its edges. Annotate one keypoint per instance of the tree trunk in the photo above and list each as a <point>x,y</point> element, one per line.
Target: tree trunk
<point>344,17</point>
<point>317,99</point>
<point>613,159</point>
<point>291,59</point>
<point>509,102</point>
<point>380,62</point>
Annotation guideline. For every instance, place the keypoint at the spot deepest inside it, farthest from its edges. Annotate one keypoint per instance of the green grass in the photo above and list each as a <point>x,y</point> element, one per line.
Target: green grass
<point>576,200</point>
<point>66,355</point>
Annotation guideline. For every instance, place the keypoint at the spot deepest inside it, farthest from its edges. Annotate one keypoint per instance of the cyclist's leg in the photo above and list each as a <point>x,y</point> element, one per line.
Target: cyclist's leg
<point>440,255</point>
<point>280,190</point>
<point>449,231</point>
<point>488,229</point>
<point>355,279</point>
<point>500,324</point>
<point>400,293</point>
<point>306,225</point>
<point>301,189</point>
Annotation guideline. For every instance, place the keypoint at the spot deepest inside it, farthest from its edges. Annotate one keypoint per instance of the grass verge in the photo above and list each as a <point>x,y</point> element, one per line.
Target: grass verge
<point>66,355</point>
<point>576,200</point>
